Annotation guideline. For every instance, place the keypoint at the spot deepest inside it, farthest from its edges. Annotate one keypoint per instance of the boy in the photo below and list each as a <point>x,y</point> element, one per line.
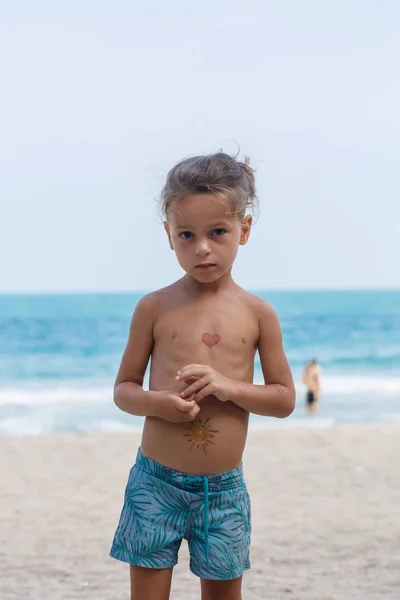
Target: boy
<point>201,333</point>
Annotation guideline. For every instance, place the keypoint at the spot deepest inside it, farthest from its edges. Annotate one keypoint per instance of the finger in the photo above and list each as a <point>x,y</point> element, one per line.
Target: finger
<point>191,366</point>
<point>195,387</point>
<point>191,371</point>
<point>187,367</point>
<point>184,405</point>
<point>208,390</point>
<point>190,416</point>
<point>190,380</point>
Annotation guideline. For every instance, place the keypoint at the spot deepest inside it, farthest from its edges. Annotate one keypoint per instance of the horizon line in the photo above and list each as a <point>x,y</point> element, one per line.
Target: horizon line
<point>143,291</point>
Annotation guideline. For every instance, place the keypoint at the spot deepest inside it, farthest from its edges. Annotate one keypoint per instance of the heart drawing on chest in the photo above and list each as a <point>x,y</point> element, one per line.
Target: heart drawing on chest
<point>209,339</point>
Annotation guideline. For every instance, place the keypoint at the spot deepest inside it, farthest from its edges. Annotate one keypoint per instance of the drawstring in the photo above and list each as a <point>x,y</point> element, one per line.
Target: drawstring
<point>205,484</point>
<point>193,480</point>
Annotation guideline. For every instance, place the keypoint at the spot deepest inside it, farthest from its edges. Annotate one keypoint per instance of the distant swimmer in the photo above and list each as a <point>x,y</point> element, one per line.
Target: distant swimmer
<point>312,379</point>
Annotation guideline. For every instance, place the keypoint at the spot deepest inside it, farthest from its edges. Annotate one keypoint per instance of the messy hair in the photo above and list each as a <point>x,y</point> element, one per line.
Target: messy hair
<point>218,174</point>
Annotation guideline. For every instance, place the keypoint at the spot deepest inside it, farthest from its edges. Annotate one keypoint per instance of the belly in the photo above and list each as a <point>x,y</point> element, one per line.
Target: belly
<point>212,444</point>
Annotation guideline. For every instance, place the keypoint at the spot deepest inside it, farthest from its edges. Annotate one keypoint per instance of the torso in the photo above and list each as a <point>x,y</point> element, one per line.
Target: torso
<point>312,379</point>
<point>215,441</point>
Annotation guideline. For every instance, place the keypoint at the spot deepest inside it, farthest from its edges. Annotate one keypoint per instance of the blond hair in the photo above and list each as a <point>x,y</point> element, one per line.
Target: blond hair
<point>218,174</point>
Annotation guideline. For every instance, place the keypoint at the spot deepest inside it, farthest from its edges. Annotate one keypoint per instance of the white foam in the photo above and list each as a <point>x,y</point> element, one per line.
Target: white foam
<point>28,397</point>
<point>392,417</point>
<point>260,424</point>
<point>351,384</point>
<point>110,425</point>
<point>362,384</point>
<point>335,385</point>
<point>29,426</point>
<point>22,427</point>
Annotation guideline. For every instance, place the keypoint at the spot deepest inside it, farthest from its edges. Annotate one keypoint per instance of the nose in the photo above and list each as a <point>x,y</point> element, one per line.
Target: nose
<point>203,247</point>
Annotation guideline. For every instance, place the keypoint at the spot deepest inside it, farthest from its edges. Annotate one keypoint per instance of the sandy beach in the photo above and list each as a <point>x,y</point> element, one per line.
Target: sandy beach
<point>325,503</point>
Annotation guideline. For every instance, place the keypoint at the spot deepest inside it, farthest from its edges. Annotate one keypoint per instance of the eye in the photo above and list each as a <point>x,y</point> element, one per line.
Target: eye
<point>186,235</point>
<point>218,232</point>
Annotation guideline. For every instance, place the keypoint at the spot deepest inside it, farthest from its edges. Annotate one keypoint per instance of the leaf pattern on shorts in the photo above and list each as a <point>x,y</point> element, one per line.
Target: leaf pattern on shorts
<point>228,537</point>
<point>153,517</point>
<point>145,556</point>
<point>157,515</point>
<point>161,510</point>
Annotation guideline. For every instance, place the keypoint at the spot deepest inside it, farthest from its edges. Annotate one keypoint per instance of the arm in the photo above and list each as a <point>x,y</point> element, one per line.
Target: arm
<point>276,398</point>
<point>129,394</point>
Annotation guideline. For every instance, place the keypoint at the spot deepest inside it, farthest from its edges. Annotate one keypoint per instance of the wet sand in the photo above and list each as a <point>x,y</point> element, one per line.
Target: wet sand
<point>325,503</point>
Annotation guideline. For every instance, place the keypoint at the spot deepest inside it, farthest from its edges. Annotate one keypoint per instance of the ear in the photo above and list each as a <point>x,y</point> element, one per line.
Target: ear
<point>245,232</point>
<point>167,229</point>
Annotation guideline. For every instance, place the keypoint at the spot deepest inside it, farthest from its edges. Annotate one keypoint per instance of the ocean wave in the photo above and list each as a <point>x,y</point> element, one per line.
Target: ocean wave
<point>336,359</point>
<point>332,385</point>
<point>53,395</point>
<point>33,423</point>
<point>105,425</point>
<point>258,423</point>
<point>340,385</point>
<point>361,384</point>
<point>391,417</point>
<point>23,426</point>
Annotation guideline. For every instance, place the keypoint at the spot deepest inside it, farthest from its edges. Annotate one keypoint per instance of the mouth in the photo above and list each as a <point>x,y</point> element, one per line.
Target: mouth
<point>205,266</point>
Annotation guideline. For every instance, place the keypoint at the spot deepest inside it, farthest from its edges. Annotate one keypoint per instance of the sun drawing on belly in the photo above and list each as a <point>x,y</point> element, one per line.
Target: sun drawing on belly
<point>201,435</point>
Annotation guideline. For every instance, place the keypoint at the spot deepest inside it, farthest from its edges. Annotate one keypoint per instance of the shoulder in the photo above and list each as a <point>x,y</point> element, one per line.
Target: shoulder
<point>156,302</point>
<point>263,313</point>
<point>147,307</point>
<point>261,309</point>
<point>147,303</point>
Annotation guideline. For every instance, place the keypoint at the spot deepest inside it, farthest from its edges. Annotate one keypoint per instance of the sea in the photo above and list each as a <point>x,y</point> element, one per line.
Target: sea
<point>59,355</point>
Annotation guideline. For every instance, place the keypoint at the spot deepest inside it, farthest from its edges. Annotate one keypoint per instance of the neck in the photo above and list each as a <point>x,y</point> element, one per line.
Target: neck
<point>199,287</point>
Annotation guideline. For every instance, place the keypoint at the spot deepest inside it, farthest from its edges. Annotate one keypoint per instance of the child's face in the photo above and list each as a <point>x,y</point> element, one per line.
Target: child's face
<point>205,236</point>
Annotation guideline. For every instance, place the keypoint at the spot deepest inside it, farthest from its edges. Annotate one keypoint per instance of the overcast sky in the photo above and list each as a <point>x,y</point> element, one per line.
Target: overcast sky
<point>99,99</point>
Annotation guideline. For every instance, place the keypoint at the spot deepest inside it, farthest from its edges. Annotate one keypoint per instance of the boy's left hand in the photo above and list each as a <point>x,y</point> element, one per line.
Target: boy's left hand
<point>208,383</point>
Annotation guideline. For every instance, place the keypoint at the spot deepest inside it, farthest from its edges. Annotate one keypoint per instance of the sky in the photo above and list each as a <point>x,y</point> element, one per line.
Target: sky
<point>99,100</point>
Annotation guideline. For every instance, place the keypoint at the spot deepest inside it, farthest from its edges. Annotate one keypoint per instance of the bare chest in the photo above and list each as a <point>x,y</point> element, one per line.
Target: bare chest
<point>217,329</point>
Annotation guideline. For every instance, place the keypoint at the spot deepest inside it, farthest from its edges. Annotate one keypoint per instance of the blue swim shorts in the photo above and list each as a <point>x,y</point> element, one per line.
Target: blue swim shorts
<point>163,506</point>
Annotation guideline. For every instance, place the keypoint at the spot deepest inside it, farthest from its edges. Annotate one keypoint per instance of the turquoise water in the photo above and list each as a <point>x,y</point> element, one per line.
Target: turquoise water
<point>59,355</point>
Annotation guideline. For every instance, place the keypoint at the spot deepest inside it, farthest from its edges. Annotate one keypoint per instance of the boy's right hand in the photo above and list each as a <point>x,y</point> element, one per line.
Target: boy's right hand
<point>173,408</point>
